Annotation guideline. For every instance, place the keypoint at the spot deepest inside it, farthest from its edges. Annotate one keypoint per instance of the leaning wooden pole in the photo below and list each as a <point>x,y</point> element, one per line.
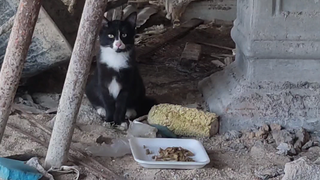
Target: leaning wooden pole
<point>74,84</point>
<point>16,54</point>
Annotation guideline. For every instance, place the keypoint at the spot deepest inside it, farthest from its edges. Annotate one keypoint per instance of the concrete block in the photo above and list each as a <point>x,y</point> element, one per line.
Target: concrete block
<point>190,56</point>
<point>191,52</point>
<point>275,77</point>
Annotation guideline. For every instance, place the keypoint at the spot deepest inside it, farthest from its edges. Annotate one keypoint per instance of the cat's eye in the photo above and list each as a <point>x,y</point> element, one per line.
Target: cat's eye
<point>110,35</point>
<point>124,35</point>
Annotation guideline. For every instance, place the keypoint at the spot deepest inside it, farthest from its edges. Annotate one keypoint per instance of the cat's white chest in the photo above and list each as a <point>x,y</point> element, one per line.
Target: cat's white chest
<point>113,59</point>
<point>114,88</point>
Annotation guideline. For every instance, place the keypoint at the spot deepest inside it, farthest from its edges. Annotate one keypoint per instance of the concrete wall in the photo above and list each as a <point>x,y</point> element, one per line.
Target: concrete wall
<point>211,9</point>
<point>275,78</point>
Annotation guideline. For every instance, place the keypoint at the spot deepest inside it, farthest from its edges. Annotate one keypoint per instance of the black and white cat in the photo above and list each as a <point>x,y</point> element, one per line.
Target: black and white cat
<point>116,89</point>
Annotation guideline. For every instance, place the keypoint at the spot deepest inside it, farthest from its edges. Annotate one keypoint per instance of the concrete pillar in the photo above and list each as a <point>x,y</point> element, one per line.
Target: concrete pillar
<point>276,75</point>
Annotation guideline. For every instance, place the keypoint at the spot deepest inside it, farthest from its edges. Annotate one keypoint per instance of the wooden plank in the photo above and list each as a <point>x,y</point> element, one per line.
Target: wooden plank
<point>138,3</point>
<point>216,46</point>
<point>115,4</point>
<point>117,13</point>
<point>170,35</point>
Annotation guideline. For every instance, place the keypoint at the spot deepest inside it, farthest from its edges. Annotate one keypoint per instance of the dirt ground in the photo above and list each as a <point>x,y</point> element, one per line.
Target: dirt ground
<point>240,158</point>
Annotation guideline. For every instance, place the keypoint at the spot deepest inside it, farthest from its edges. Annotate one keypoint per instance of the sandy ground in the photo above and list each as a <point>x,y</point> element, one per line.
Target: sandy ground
<point>236,159</point>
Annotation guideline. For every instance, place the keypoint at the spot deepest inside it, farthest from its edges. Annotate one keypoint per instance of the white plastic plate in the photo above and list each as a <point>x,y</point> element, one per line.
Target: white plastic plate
<point>154,144</point>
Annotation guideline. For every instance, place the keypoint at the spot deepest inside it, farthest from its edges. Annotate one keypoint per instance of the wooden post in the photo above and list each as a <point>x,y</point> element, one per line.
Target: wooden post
<point>74,84</point>
<point>16,53</point>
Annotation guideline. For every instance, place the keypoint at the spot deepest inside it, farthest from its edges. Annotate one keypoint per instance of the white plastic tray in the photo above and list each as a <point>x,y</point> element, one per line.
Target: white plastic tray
<point>154,144</point>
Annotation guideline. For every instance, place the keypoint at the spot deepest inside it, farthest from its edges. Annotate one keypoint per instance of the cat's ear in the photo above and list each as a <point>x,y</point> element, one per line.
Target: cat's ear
<point>132,19</point>
<point>105,22</point>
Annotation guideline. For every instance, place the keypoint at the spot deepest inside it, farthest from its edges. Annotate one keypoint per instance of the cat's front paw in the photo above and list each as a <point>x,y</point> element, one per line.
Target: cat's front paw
<point>108,119</point>
<point>118,122</point>
<point>131,114</point>
<point>123,126</point>
<point>101,112</point>
<point>119,119</point>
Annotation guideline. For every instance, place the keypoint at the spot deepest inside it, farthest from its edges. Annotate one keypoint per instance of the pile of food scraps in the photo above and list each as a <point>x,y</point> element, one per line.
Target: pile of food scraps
<point>174,154</point>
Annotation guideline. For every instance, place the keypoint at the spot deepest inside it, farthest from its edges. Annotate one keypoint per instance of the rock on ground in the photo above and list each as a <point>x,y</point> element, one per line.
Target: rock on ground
<point>231,135</point>
<point>86,115</point>
<point>269,171</point>
<point>283,136</point>
<point>301,169</point>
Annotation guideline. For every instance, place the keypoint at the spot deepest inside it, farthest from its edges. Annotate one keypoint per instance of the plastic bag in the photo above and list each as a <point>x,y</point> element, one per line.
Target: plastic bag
<point>138,129</point>
<point>118,148</point>
<point>121,147</point>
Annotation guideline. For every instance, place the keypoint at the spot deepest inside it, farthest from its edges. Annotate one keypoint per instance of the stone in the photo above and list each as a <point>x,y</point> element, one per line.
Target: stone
<point>314,150</point>
<point>101,139</point>
<point>270,171</point>
<point>261,134</point>
<point>231,135</point>
<point>270,139</point>
<point>301,169</point>
<point>275,127</point>
<point>283,136</point>
<point>252,135</point>
<point>87,115</point>
<point>312,153</point>
<point>265,128</point>
<point>266,152</point>
<point>258,151</point>
<point>307,145</point>
<point>218,63</point>
<point>228,60</point>
<point>276,41</point>
<point>317,161</point>
<point>190,56</point>
<point>191,51</point>
<point>238,147</point>
<point>46,100</point>
<point>286,149</point>
<point>303,136</point>
<point>49,47</point>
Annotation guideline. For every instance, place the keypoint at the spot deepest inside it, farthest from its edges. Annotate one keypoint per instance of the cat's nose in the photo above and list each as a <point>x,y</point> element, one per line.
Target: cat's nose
<point>118,44</point>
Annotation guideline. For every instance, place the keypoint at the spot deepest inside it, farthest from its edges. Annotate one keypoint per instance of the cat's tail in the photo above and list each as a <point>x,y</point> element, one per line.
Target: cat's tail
<point>145,105</point>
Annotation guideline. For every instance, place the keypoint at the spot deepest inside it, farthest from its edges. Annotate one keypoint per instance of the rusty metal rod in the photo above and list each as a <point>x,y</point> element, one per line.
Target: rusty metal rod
<point>74,84</point>
<point>16,53</point>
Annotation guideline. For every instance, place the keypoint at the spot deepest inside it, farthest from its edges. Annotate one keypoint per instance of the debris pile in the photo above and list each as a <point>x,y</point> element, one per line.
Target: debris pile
<point>288,142</point>
<point>272,143</point>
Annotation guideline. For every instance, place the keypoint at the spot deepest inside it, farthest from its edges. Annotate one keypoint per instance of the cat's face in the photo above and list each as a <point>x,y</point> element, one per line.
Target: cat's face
<point>118,35</point>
